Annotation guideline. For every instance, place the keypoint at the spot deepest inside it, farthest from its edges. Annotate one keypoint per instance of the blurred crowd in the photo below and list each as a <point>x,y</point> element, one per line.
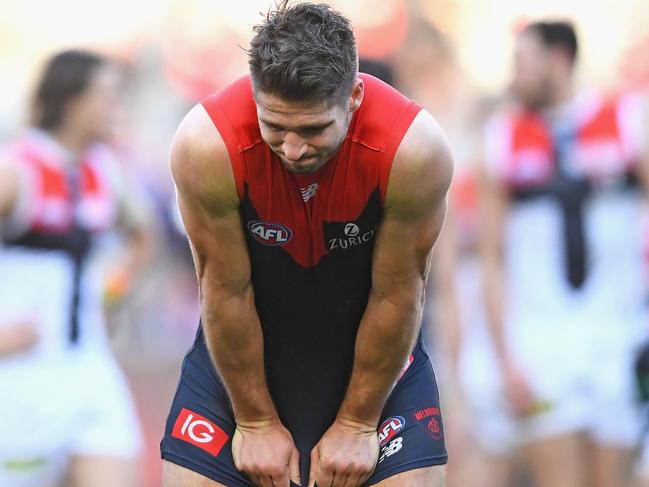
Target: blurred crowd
<point>537,304</point>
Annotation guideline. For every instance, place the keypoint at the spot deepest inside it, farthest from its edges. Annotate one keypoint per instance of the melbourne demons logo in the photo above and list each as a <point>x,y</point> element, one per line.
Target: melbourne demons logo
<point>270,234</point>
<point>429,418</point>
<point>390,428</point>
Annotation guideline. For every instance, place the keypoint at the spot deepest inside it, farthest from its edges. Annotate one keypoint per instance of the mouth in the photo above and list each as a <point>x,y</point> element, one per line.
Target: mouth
<point>302,161</point>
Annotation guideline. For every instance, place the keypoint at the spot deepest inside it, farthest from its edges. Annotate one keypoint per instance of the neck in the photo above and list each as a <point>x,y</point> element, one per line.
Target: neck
<point>72,140</point>
<point>563,94</point>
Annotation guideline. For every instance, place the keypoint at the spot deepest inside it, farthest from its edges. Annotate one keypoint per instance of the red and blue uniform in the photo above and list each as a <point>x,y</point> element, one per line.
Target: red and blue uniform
<point>310,240</point>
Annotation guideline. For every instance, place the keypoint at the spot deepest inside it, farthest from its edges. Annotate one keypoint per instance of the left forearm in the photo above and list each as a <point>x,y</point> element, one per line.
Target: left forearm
<point>385,338</point>
<point>140,249</point>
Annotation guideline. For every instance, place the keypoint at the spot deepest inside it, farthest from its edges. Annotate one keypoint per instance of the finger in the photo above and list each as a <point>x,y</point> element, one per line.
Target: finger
<point>267,481</point>
<point>280,479</point>
<point>294,467</point>
<point>254,479</point>
<point>361,479</point>
<point>347,480</point>
<point>313,467</point>
<point>324,477</point>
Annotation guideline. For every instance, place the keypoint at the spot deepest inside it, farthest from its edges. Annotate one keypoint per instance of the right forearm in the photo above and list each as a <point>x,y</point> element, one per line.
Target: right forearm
<point>236,346</point>
<point>495,313</point>
<point>16,337</point>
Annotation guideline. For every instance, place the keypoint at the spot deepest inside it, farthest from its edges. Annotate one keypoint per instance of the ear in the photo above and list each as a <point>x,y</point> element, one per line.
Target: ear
<point>356,98</point>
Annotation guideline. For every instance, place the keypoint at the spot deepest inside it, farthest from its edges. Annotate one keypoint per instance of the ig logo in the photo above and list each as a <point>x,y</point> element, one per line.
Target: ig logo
<point>201,437</point>
<point>199,431</point>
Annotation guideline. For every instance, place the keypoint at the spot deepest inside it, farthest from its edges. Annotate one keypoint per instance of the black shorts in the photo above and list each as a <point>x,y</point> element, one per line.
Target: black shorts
<point>200,425</point>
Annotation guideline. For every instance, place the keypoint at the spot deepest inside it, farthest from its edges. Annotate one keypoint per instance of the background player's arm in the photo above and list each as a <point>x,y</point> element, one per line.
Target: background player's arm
<point>209,206</point>
<point>414,212</point>
<point>493,202</point>
<point>446,305</point>
<point>137,224</point>
<point>644,148</point>
<point>493,208</point>
<point>14,337</point>
<point>9,186</point>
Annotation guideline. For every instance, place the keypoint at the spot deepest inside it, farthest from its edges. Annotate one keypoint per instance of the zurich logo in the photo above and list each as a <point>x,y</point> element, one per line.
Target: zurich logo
<point>270,234</point>
<point>351,230</point>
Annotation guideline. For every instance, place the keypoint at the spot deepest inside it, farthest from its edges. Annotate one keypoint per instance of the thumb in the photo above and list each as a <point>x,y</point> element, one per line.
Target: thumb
<point>294,467</point>
<point>313,467</point>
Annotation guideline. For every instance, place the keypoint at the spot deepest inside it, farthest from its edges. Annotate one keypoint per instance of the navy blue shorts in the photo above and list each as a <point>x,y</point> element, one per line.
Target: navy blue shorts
<point>200,425</point>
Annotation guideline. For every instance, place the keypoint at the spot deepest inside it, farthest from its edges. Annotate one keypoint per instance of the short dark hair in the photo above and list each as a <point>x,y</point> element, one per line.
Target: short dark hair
<point>66,75</point>
<point>560,34</point>
<point>302,52</point>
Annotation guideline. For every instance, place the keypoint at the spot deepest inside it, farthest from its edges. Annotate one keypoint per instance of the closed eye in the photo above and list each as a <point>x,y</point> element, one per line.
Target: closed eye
<point>274,128</point>
<point>311,131</point>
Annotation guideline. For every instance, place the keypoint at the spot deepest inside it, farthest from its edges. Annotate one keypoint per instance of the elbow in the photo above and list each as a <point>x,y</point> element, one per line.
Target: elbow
<point>406,297</point>
<point>219,293</point>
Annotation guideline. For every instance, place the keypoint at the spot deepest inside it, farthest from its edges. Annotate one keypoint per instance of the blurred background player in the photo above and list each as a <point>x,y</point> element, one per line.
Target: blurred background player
<point>562,247</point>
<point>66,408</point>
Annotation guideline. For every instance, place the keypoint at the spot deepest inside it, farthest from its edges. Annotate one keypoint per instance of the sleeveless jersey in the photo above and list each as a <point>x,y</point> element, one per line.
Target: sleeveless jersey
<point>310,241</point>
<point>47,240</point>
<point>571,179</point>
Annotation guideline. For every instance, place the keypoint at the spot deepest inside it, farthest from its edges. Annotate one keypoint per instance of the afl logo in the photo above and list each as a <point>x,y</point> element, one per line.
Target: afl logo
<point>390,428</point>
<point>351,230</point>
<point>270,234</point>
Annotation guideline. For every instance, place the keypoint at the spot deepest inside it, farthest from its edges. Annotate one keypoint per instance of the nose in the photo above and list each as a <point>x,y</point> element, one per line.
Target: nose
<point>293,147</point>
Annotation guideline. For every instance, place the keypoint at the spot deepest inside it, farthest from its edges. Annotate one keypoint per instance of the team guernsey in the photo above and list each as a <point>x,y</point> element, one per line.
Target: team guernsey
<point>310,240</point>
<point>50,278</point>
<point>575,241</point>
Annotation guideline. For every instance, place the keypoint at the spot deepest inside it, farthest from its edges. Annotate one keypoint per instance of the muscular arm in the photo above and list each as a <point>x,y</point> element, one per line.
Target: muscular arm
<point>493,201</point>
<point>493,205</point>
<point>209,206</point>
<point>414,212</point>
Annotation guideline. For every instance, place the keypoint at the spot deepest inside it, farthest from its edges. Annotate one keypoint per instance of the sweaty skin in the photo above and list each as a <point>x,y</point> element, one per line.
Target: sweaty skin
<point>414,211</point>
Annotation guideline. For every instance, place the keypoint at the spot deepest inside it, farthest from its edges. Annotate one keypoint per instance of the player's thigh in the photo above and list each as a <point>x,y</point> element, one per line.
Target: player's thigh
<point>102,472</point>
<point>609,466</point>
<point>557,461</point>
<point>422,477</point>
<point>176,476</point>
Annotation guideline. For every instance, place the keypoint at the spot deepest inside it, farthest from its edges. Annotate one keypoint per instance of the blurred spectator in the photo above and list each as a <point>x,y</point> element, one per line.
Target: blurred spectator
<point>562,248</point>
<point>378,68</point>
<point>66,409</point>
<point>464,346</point>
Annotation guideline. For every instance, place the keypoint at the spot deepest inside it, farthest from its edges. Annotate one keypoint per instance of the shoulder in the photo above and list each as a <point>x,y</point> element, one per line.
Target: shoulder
<point>423,166</point>
<point>199,161</point>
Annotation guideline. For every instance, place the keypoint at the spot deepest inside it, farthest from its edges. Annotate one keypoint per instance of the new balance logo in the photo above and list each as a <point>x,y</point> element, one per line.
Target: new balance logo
<point>309,191</point>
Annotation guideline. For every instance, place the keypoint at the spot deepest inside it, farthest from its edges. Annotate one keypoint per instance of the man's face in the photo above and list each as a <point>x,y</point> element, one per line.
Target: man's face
<point>305,135</point>
<point>532,80</point>
<point>99,109</point>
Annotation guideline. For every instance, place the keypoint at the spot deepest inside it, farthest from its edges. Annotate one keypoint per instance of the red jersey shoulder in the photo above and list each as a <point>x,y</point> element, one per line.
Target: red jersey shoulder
<point>384,114</point>
<point>234,113</point>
